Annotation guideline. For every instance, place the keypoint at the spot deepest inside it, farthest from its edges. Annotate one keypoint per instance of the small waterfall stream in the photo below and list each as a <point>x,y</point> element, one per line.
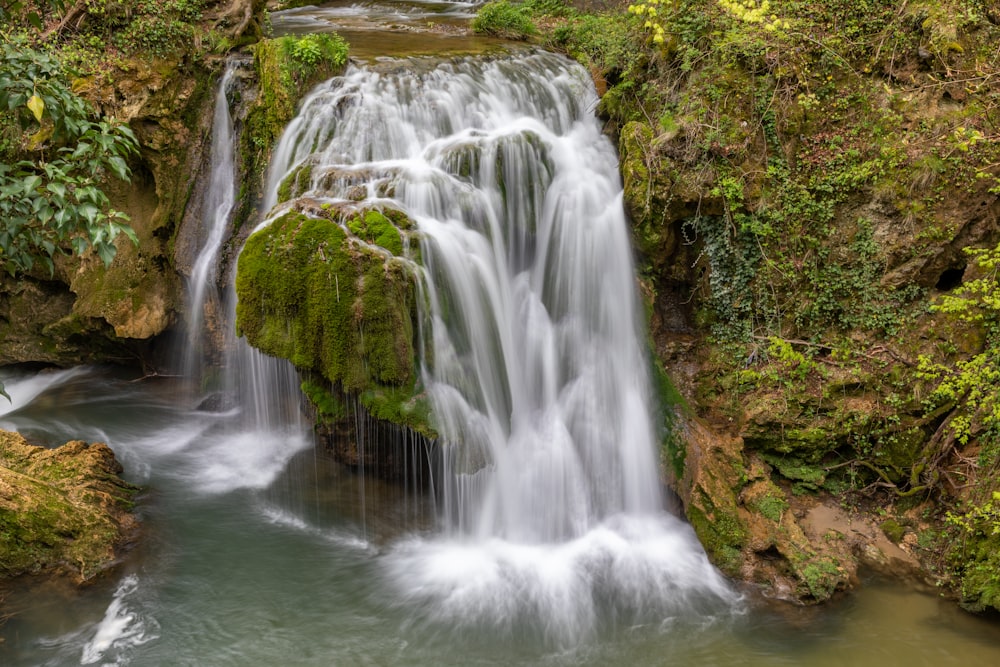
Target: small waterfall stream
<point>537,372</point>
<point>217,207</point>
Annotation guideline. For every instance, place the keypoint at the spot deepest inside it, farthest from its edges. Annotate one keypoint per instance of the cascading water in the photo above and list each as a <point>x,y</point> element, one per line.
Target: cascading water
<point>262,391</point>
<point>217,206</point>
<point>537,374</point>
<point>224,575</point>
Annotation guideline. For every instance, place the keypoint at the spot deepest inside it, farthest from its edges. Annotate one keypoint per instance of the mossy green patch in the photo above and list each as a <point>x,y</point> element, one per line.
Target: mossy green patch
<point>821,576</point>
<point>328,406</point>
<point>771,507</point>
<point>295,183</point>
<point>894,530</point>
<point>60,509</point>
<point>310,293</point>
<point>720,532</point>
<point>286,68</point>
<point>374,227</point>
<point>401,405</point>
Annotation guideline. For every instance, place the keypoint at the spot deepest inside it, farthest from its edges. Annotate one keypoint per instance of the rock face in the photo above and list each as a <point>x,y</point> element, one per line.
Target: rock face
<point>62,510</point>
<point>92,312</point>
<point>799,223</point>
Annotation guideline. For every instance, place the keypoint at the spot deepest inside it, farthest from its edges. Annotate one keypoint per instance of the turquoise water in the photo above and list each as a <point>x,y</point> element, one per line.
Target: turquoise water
<point>295,572</point>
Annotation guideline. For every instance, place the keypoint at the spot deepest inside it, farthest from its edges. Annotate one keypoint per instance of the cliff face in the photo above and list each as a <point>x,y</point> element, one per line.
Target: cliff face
<point>805,192</point>
<point>155,74</point>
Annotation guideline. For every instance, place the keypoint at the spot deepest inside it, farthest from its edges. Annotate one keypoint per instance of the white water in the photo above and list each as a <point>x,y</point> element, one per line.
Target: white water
<point>553,518</point>
<point>217,207</point>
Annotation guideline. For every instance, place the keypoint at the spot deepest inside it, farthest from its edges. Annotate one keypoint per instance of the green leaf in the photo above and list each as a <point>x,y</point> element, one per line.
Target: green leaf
<point>29,184</point>
<point>36,106</point>
<point>118,167</point>
<point>58,189</point>
<point>89,212</point>
<point>107,252</point>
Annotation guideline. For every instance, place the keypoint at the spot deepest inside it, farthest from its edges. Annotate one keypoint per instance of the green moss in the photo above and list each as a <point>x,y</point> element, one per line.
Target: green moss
<point>806,476</point>
<point>286,68</point>
<point>821,577</point>
<point>374,227</point>
<point>295,183</point>
<point>61,509</point>
<point>893,530</point>
<point>771,507</point>
<point>309,293</point>
<point>328,406</point>
<point>720,532</point>
<point>401,405</point>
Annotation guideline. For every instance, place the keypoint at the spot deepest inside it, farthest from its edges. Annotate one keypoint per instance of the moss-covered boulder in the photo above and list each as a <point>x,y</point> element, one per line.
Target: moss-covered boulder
<point>333,295</point>
<point>312,292</point>
<point>62,510</point>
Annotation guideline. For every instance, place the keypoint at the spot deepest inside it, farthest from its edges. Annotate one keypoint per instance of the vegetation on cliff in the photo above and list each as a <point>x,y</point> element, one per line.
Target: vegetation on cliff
<point>813,186</point>
<point>143,71</point>
<point>286,68</point>
<point>53,158</point>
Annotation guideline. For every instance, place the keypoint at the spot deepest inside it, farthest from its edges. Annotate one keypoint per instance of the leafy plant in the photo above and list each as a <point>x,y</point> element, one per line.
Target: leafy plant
<point>972,383</point>
<point>50,183</point>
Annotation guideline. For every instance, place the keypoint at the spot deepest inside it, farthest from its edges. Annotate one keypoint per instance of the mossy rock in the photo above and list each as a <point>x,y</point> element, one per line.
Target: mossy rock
<point>61,510</point>
<point>311,293</point>
<point>338,306</point>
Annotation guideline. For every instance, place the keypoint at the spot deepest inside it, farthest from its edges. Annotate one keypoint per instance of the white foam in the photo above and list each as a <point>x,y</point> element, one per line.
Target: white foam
<point>121,629</point>
<point>23,390</point>
<point>628,570</point>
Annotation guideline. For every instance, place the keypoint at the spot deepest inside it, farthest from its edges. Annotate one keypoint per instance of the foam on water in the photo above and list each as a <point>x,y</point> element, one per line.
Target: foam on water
<point>23,389</point>
<point>122,628</point>
<point>629,570</point>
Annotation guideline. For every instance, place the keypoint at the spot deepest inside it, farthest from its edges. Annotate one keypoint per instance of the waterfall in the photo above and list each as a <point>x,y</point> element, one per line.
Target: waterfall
<point>537,372</point>
<point>259,424</point>
<point>216,208</point>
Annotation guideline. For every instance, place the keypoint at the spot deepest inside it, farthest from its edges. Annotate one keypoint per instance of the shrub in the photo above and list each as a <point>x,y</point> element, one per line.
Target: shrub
<point>504,20</point>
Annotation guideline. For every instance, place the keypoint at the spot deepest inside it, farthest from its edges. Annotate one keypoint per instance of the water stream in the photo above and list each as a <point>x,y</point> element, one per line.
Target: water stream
<point>547,544</point>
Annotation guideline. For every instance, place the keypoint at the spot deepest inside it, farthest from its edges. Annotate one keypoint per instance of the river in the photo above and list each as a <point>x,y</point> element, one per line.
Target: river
<point>267,554</point>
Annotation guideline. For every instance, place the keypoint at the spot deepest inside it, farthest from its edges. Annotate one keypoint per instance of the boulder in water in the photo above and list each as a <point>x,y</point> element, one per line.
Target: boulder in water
<point>62,510</point>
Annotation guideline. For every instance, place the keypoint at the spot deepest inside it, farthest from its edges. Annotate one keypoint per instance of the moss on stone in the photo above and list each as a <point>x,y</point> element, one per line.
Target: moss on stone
<point>894,530</point>
<point>406,406</point>
<point>821,576</point>
<point>311,294</point>
<point>328,405</point>
<point>61,509</point>
<point>286,68</point>
<point>295,183</point>
<point>720,531</point>
<point>336,306</point>
<point>374,227</point>
<point>771,507</point>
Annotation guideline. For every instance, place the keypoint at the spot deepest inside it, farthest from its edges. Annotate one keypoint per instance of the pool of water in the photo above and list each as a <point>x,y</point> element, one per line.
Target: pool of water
<point>257,550</point>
